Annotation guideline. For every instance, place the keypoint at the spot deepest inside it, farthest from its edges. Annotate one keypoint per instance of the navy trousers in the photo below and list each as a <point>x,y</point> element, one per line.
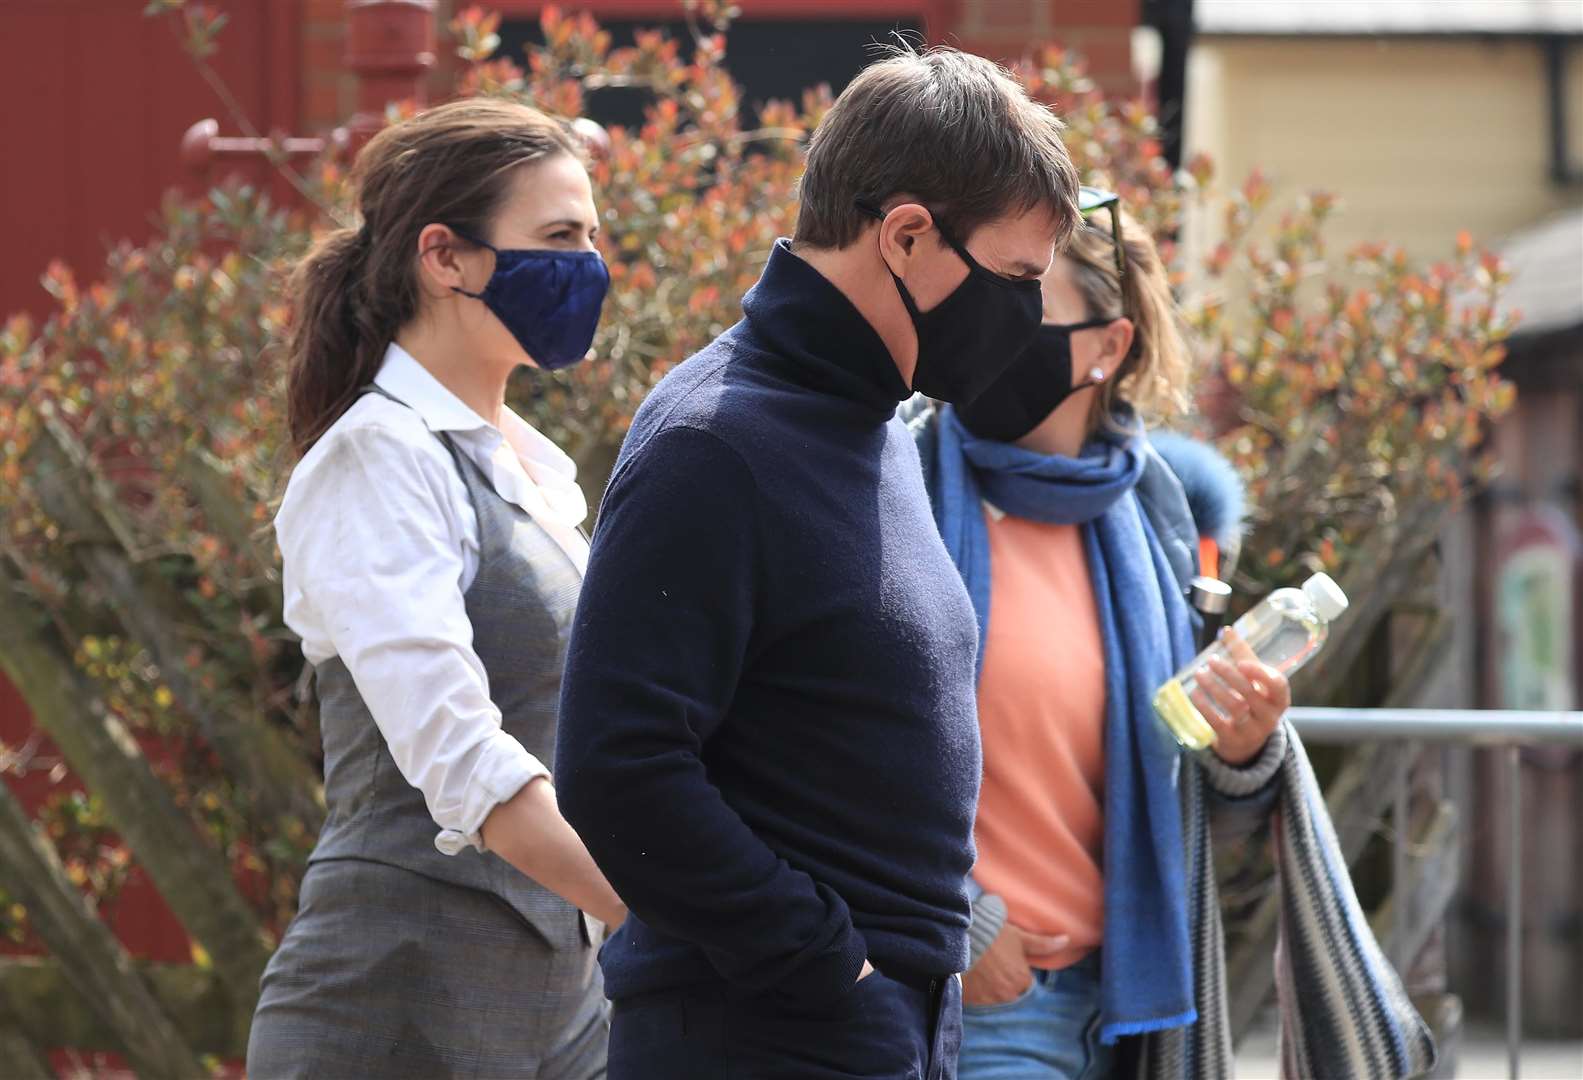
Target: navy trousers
<point>881,1030</point>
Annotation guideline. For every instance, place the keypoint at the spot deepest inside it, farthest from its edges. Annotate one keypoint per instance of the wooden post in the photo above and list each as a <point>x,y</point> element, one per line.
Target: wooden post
<point>390,48</point>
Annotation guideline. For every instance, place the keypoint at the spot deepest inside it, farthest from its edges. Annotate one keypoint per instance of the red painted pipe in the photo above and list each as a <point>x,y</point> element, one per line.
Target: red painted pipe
<point>390,48</point>
<point>203,145</point>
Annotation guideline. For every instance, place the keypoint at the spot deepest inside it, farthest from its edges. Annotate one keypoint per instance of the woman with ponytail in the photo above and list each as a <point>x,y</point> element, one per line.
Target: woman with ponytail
<point>432,558</point>
<point>1095,938</point>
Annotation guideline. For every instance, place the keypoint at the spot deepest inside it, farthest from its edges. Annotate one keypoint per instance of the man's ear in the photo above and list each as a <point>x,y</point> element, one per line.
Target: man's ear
<point>900,232</point>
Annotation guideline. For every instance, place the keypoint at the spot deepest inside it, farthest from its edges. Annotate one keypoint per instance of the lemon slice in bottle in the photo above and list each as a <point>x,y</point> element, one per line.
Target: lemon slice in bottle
<point>1182,717</point>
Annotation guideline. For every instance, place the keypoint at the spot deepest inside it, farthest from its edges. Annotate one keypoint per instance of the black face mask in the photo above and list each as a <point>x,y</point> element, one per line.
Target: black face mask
<point>1031,389</point>
<point>969,338</point>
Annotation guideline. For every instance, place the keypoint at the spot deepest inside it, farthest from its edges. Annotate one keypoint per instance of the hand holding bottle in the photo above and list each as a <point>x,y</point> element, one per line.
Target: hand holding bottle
<point>1220,686</point>
<point>1242,698</point>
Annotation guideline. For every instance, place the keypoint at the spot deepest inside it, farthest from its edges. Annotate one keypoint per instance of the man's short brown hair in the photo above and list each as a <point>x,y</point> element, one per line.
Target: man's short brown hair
<point>954,131</point>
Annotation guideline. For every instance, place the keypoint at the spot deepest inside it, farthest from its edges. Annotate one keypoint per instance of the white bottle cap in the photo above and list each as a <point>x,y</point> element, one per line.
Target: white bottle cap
<point>1326,596</point>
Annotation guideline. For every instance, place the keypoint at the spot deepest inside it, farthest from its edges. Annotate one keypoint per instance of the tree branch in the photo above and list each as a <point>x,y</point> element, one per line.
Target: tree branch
<point>213,487</point>
<point>1429,649</point>
<point>222,90</point>
<point>188,872</point>
<point>276,783</point>
<point>1434,846</point>
<point>1377,572</point>
<point>93,961</point>
<point>20,1059</point>
<point>40,1002</point>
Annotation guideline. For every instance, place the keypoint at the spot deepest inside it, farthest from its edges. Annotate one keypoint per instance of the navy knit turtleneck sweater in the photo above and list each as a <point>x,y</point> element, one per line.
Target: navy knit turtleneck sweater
<point>768,734</point>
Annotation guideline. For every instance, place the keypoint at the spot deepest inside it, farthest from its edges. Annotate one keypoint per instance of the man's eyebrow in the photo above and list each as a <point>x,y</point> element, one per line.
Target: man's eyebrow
<point>570,223</point>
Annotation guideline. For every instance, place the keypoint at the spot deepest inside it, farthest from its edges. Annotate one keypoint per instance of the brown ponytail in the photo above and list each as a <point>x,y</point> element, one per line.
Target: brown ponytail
<point>1153,377</point>
<point>357,287</point>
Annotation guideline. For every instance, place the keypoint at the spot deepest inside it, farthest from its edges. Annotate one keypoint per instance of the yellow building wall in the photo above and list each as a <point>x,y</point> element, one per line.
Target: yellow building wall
<point>1419,137</point>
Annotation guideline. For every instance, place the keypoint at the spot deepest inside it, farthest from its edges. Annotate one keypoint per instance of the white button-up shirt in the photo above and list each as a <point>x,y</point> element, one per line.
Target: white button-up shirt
<point>379,541</point>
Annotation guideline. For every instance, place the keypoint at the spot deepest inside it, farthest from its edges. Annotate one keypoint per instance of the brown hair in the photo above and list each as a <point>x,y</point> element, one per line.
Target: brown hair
<point>1153,376</point>
<point>350,294</point>
<point>953,130</point>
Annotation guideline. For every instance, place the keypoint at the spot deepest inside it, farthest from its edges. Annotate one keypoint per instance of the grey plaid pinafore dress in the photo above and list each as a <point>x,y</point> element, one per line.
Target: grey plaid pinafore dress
<point>407,963</point>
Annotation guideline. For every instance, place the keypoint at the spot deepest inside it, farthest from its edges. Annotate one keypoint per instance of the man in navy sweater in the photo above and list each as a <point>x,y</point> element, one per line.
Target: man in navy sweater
<point>768,733</point>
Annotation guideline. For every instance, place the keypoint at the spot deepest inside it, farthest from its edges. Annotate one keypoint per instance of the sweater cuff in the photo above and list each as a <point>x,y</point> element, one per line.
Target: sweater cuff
<point>1240,781</point>
<point>989,918</point>
<point>831,974</point>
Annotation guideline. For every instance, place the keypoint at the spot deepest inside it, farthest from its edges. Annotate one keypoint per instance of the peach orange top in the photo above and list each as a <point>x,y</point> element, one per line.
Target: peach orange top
<point>1041,709</point>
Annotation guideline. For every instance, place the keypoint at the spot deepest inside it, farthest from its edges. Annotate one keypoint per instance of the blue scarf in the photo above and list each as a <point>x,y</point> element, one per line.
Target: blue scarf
<point>1146,970</point>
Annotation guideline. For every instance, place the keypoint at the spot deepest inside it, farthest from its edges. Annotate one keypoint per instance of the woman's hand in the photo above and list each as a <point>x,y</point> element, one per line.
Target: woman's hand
<point>528,831</point>
<point>1243,701</point>
<point>1005,971</point>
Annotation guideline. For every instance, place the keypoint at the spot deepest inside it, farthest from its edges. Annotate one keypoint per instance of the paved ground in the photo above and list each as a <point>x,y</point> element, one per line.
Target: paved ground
<point>1482,1057</point>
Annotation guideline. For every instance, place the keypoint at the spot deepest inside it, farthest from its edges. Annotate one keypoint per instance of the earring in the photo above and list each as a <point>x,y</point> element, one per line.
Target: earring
<point>1096,374</point>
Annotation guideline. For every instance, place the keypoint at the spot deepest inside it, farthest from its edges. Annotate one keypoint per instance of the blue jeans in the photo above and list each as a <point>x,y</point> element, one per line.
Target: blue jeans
<point>1051,1032</point>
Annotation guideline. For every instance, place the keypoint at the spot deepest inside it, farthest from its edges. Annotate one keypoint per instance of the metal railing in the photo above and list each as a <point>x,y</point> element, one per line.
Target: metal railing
<point>1510,730</point>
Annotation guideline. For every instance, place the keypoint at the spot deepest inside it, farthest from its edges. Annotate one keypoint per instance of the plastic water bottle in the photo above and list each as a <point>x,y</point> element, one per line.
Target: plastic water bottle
<point>1284,631</point>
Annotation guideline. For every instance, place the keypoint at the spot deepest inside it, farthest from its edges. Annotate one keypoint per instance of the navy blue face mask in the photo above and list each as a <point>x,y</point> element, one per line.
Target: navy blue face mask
<point>549,300</point>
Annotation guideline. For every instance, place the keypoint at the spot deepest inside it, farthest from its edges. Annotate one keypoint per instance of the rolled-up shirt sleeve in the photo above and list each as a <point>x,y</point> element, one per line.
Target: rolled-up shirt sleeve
<point>372,544</point>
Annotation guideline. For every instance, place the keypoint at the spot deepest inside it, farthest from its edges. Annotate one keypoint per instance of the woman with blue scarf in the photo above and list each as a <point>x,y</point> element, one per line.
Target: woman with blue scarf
<point>1096,941</point>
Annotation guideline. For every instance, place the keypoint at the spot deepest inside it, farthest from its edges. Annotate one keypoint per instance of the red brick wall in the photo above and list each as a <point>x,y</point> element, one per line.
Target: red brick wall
<point>94,100</point>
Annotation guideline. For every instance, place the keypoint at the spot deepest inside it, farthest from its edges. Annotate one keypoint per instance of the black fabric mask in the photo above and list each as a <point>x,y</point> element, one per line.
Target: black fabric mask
<point>967,339</point>
<point>1031,389</point>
